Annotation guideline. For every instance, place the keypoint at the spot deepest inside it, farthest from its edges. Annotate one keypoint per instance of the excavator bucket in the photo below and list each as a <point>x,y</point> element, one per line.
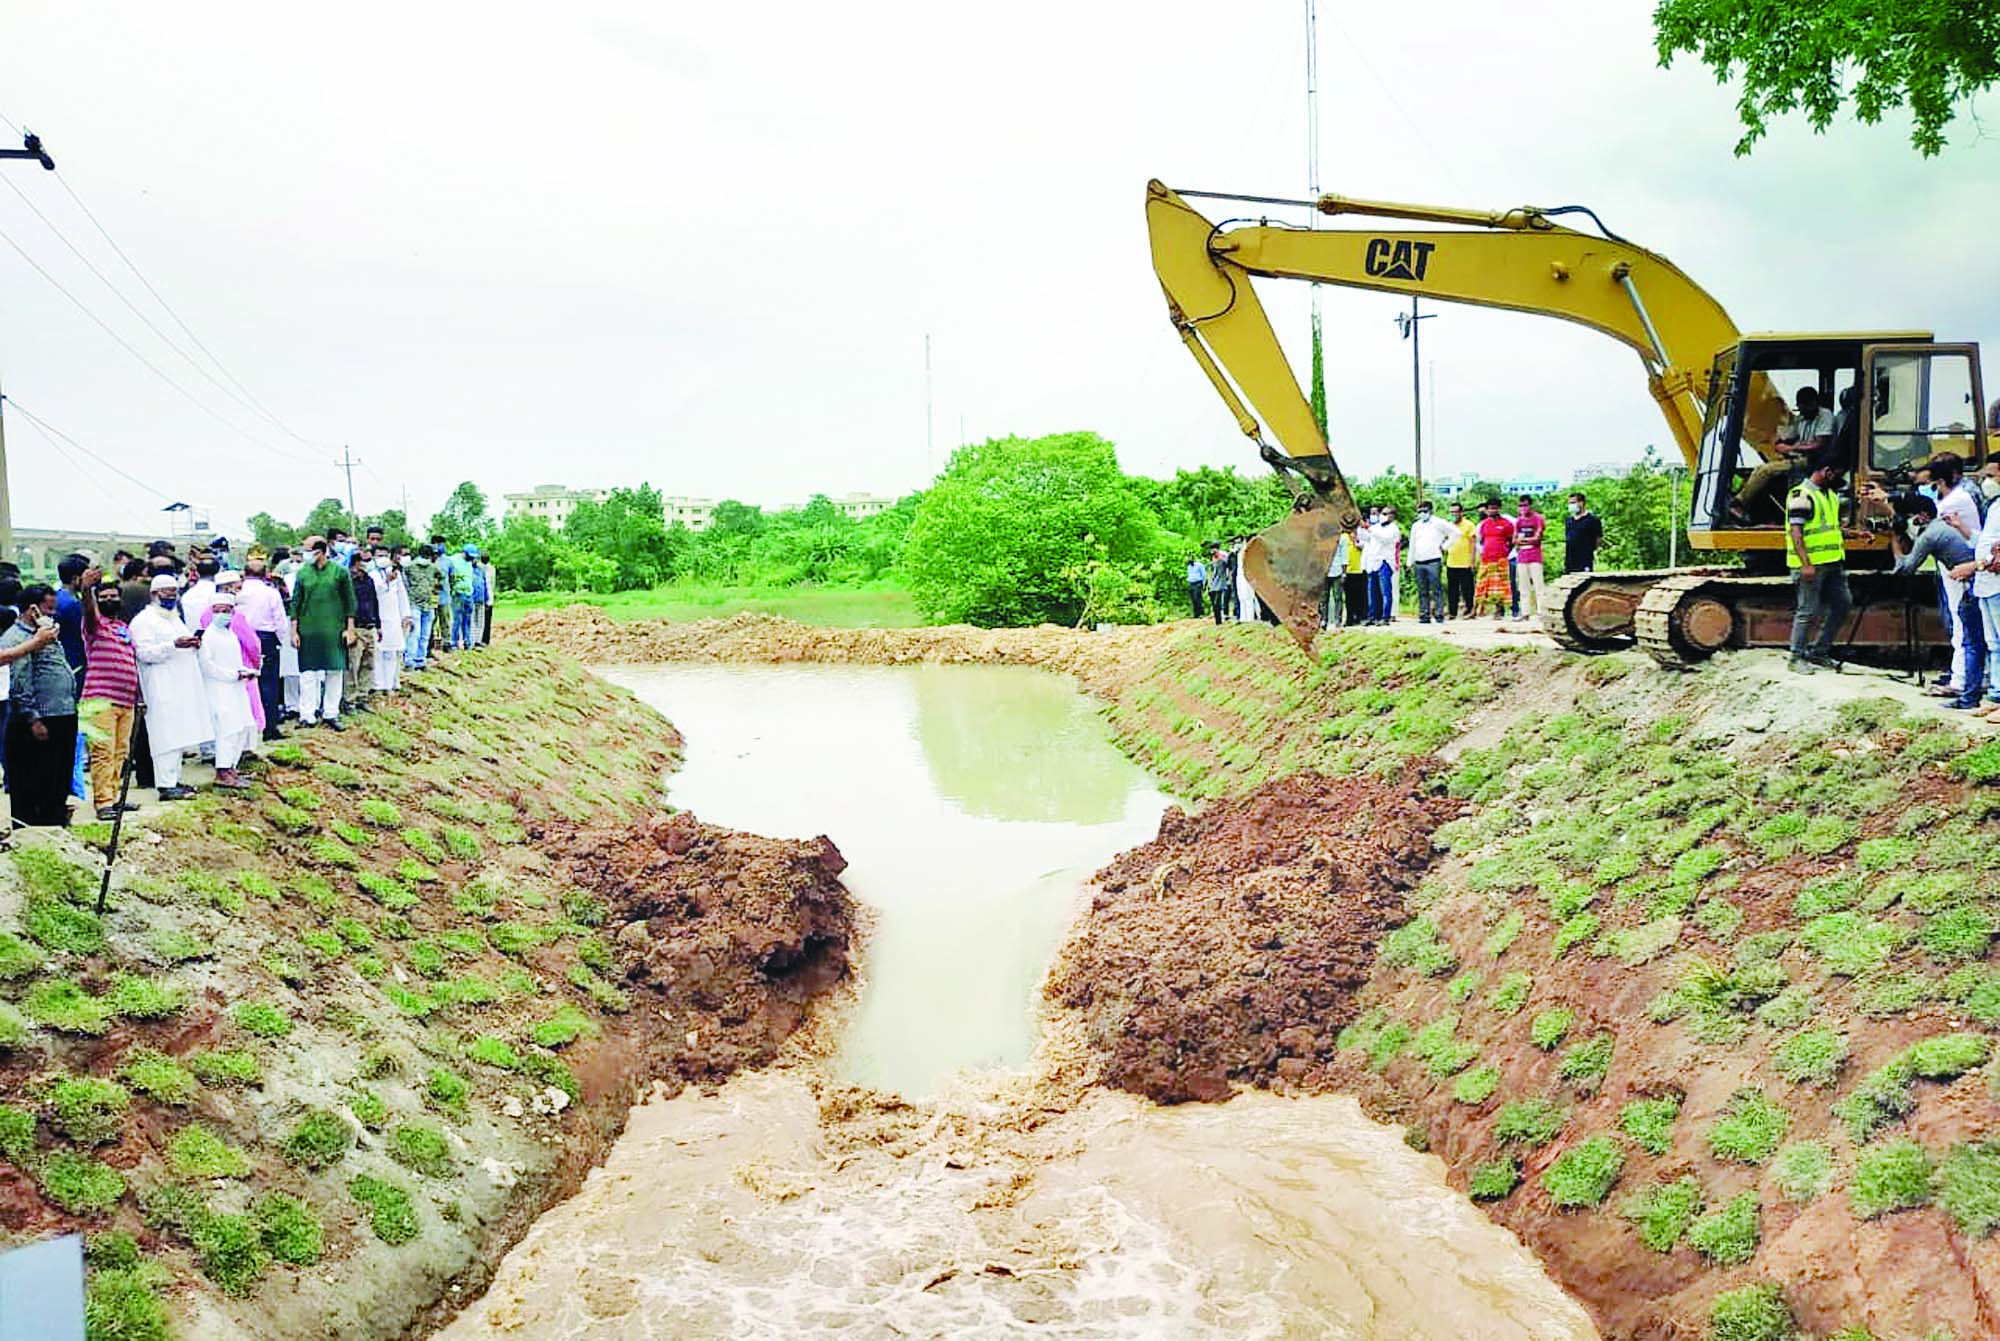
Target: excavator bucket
<point>1287,566</point>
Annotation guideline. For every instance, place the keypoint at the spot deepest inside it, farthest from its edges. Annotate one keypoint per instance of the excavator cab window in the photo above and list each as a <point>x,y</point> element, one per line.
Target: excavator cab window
<point>1924,399</point>
<point>1754,392</point>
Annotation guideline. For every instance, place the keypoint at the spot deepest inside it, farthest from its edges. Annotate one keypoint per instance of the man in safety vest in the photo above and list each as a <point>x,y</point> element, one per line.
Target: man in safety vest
<point>1816,552</point>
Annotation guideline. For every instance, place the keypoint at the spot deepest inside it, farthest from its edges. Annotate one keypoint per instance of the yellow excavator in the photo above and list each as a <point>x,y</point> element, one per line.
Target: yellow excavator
<point>1903,396</point>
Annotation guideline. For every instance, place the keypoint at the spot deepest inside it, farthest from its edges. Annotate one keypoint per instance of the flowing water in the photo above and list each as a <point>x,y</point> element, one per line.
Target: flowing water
<point>952,1201</point>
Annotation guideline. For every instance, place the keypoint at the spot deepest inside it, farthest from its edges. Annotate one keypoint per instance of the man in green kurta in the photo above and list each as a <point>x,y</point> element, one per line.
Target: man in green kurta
<point>322,630</point>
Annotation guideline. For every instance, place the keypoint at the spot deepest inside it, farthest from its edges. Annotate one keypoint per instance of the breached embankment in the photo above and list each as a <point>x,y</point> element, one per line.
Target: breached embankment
<point>336,1043</point>
<point>1699,999</point>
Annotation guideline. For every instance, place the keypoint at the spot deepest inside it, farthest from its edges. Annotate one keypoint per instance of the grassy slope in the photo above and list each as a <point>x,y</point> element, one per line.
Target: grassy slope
<point>882,607</point>
<point>301,1018</point>
<point>1726,949</point>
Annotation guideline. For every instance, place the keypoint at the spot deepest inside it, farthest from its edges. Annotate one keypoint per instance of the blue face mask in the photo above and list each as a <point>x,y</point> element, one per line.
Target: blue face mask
<point>169,602</point>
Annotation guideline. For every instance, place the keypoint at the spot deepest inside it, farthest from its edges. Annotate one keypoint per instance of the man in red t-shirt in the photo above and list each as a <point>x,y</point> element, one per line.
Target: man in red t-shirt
<point>1496,540</point>
<point>1529,529</point>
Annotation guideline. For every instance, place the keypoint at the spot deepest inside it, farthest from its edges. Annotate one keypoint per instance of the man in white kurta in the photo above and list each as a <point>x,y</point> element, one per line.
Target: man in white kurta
<point>177,716</point>
<point>224,672</point>
<point>392,601</point>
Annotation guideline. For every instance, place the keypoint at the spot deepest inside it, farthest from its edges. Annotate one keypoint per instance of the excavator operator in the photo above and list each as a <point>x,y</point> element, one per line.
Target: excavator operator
<point>1808,435</point>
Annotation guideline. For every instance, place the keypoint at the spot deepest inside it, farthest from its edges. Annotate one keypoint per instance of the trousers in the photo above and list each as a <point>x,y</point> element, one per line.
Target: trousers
<point>1195,590</point>
<point>1381,594</point>
<point>1823,599</point>
<point>461,624</point>
<point>270,683</point>
<point>319,694</point>
<point>417,642</point>
<point>1458,590</point>
<point>1430,588</point>
<point>107,756</point>
<point>1531,585</point>
<point>39,771</point>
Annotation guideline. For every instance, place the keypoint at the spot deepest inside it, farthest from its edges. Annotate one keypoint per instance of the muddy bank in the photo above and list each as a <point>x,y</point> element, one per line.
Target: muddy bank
<point>337,1041</point>
<point>1229,949</point>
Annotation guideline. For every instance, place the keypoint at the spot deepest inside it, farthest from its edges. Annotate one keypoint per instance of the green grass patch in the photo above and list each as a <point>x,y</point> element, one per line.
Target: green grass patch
<point>137,998</point>
<point>1813,1057</point>
<point>1751,1313</point>
<point>224,1067</point>
<point>159,1077</point>
<point>446,1090</point>
<point>1824,834</point>
<point>1572,932</point>
<point>1852,943</point>
<point>422,1148</point>
<point>289,1230</point>
<point>1662,1213</point>
<point>1803,1171</point>
<point>1892,1176</point>
<point>19,958</point>
<point>368,1108</point>
<point>61,1004</point>
<point>88,1109</point>
<point>199,1153</point>
<point>568,1024</point>
<point>491,1050</point>
<point>1650,1121</point>
<point>1750,1129</point>
<point>382,814</point>
<point>318,1139</point>
<point>1959,933</point>
<point>1476,1086</point>
<point>1583,1174</point>
<point>57,924</point>
<point>17,1134</point>
<point>290,819</point>
<point>1728,1237</point>
<point>81,1185</point>
<point>1416,945</point>
<point>231,1252</point>
<point>391,1214</point>
<point>1492,1181</point>
<point>261,1018</point>
<point>1511,994</point>
<point>1549,1028</point>
<point>1585,1065</point>
<point>1532,1122</point>
<point>1968,1186</point>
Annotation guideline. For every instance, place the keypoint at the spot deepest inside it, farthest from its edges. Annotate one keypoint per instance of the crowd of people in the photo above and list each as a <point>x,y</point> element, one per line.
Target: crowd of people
<point>1461,565</point>
<point>142,661</point>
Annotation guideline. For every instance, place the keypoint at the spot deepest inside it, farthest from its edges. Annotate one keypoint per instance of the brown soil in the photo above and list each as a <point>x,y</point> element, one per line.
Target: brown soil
<point>1229,949</point>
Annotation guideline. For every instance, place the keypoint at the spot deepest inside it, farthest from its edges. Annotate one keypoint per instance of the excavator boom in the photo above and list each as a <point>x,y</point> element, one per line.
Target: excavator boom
<point>1517,259</point>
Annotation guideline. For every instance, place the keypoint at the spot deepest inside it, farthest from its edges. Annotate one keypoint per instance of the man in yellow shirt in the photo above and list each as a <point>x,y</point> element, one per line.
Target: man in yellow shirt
<point>1459,563</point>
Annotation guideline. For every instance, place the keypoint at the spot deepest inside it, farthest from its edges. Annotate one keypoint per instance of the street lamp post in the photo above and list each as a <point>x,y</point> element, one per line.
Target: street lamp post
<point>1407,323</point>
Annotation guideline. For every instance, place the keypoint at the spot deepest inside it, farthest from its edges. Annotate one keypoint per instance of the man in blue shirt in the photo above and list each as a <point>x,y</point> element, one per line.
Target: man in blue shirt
<point>1939,539</point>
<point>1197,580</point>
<point>458,582</point>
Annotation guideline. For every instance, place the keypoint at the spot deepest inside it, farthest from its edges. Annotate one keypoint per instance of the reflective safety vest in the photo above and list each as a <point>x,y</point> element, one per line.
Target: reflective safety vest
<point>1824,543</point>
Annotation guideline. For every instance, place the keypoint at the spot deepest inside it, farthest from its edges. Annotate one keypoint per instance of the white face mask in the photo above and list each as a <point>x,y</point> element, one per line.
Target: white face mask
<point>1576,509</point>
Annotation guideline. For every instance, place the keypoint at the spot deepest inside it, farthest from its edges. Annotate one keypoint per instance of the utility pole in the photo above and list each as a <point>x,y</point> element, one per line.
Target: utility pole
<point>1407,323</point>
<point>1318,391</point>
<point>31,148</point>
<point>348,462</point>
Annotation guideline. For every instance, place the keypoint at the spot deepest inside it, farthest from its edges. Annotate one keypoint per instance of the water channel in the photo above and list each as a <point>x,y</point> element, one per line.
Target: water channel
<point>972,803</point>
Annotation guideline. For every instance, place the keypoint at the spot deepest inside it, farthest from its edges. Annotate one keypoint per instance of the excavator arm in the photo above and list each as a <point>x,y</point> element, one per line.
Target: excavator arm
<point>1515,259</point>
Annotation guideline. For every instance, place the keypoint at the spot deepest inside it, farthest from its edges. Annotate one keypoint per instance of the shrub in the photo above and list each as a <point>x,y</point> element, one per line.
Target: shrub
<point>1968,1186</point>
<point>226,1066</point>
<point>1661,1213</point>
<point>1751,1313</point>
<point>81,1185</point>
<point>1813,1057</point>
<point>1583,1174</point>
<point>1893,1176</point>
<point>1586,1064</point>
<point>231,1252</point>
<point>1750,1129</point>
<point>137,998</point>
<point>288,1228</point>
<point>1529,1122</point>
<point>62,1005</point>
<point>422,1148</point>
<point>199,1153</point>
<point>1490,1182</point>
<point>159,1077</point>
<point>1650,1121</point>
<point>87,1109</point>
<point>319,1139</point>
<point>1803,1171</point>
<point>391,1215</point>
<point>1550,1027</point>
<point>1728,1237</point>
<point>261,1018</point>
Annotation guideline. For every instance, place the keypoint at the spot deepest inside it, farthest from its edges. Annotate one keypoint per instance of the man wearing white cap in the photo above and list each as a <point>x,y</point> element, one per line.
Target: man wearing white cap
<point>177,715</point>
<point>225,672</point>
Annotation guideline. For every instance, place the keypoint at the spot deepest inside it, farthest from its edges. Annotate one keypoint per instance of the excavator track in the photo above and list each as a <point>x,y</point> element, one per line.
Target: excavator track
<point>1676,628</point>
<point>1594,612</point>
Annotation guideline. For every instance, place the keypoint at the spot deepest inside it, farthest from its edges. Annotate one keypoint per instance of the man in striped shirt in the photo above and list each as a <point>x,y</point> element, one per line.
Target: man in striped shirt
<point>110,690</point>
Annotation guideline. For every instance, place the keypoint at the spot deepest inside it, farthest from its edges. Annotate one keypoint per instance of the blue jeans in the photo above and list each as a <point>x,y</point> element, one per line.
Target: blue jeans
<point>1989,622</point>
<point>461,624</point>
<point>1430,588</point>
<point>1380,594</point>
<point>1976,651</point>
<point>417,643</point>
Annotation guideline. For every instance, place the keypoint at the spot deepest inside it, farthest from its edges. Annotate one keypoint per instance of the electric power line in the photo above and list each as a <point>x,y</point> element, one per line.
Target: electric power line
<point>168,308</point>
<point>80,466</point>
<point>53,432</point>
<point>150,366</point>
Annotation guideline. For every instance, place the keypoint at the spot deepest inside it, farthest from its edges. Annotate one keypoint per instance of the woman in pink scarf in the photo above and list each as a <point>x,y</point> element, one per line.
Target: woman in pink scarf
<point>246,638</point>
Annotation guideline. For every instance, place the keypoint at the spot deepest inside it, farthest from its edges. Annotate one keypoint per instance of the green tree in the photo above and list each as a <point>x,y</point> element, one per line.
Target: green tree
<point>1212,505</point>
<point>1009,532</point>
<point>523,553</point>
<point>269,532</point>
<point>629,530</point>
<point>329,514</point>
<point>463,518</point>
<point>1815,55</point>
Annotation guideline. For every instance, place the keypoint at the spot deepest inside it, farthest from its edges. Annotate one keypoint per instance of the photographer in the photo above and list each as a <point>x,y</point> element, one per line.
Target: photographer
<point>1938,538</point>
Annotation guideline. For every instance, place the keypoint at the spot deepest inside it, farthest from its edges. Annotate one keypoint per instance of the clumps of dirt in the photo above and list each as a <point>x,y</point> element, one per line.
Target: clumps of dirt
<point>724,938</point>
<point>1229,948</point>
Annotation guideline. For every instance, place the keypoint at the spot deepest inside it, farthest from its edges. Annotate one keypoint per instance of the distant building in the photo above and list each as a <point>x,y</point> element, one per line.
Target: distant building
<point>1599,470</point>
<point>1458,486</point>
<point>552,503</point>
<point>693,513</point>
<point>858,506</point>
<point>38,552</point>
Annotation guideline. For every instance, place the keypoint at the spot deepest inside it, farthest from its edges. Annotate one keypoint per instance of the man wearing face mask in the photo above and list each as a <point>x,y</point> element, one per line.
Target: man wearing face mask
<point>1430,537</point>
<point>367,633</point>
<point>170,681</point>
<point>392,600</point>
<point>322,630</point>
<point>1582,532</point>
<point>225,678</point>
<point>260,606</point>
<point>41,717</point>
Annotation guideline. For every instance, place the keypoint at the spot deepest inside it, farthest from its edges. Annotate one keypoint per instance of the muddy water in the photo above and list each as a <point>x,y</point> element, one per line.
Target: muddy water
<point>1011,1203</point>
<point>971,803</point>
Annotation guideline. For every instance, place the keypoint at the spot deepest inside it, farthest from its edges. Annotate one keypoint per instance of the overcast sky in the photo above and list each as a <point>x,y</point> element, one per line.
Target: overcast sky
<point>702,245</point>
